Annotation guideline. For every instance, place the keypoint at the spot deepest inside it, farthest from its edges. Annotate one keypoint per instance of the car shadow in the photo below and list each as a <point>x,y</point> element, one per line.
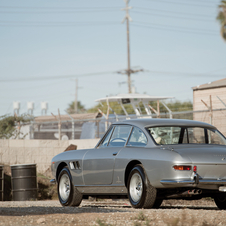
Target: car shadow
<point>87,208</point>
<point>190,207</point>
<point>37,210</point>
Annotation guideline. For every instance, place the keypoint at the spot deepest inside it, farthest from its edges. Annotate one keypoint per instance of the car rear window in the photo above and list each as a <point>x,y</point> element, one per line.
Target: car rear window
<point>185,135</point>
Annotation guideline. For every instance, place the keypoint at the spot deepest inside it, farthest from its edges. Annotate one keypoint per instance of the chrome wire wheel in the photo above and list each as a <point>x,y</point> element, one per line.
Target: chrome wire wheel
<point>64,187</point>
<point>136,187</point>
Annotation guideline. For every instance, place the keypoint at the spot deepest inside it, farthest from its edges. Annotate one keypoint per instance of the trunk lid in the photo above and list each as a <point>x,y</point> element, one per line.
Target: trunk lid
<point>209,159</point>
<point>202,154</point>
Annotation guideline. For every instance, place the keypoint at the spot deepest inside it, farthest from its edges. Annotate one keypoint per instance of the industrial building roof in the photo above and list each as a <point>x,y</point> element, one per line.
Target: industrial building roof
<point>211,85</point>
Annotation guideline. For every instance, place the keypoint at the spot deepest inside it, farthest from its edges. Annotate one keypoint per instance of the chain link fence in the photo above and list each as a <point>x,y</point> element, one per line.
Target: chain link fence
<point>95,128</point>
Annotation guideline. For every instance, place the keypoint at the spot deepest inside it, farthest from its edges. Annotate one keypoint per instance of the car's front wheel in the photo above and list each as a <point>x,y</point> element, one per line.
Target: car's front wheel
<point>140,192</point>
<point>220,201</point>
<point>68,195</point>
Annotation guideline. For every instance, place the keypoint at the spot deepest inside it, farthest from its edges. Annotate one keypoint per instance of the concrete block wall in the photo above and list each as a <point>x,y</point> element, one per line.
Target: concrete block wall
<point>39,152</point>
<point>204,95</point>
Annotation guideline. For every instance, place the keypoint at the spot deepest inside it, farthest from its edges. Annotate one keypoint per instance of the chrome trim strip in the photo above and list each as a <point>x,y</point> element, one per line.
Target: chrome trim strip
<point>210,181</point>
<point>122,190</point>
<point>53,181</point>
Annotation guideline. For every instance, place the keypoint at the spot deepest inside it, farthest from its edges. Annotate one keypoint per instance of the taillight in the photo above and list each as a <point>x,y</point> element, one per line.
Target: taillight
<point>182,167</point>
<point>195,169</point>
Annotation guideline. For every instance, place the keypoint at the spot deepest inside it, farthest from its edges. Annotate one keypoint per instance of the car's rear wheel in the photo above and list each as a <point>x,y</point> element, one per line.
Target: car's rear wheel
<point>140,192</point>
<point>220,201</point>
<point>68,195</point>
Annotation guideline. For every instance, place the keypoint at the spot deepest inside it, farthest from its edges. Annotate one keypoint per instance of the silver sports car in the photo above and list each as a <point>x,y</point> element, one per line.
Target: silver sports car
<point>147,161</point>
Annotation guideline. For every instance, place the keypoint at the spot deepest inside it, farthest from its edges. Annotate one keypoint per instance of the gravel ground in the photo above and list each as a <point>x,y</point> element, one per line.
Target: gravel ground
<point>108,212</point>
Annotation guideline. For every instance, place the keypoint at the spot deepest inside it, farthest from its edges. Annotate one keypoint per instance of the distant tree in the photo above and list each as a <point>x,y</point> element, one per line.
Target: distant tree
<point>115,106</point>
<point>221,17</point>
<point>174,106</point>
<point>10,126</point>
<point>71,108</point>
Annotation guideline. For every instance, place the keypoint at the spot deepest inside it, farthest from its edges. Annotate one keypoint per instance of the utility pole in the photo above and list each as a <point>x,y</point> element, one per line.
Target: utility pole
<point>76,96</point>
<point>129,71</point>
<point>128,18</point>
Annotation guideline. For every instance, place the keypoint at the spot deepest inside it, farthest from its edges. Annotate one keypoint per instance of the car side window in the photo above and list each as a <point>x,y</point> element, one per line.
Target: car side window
<point>165,135</point>
<point>120,136</point>
<point>137,138</point>
<point>196,135</point>
<point>106,140</point>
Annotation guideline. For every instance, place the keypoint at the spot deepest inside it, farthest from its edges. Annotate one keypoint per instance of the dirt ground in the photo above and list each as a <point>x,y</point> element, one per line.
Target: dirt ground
<point>106,212</point>
<point>109,212</point>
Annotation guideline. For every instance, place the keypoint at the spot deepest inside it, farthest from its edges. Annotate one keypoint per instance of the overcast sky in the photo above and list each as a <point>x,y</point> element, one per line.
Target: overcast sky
<point>46,44</point>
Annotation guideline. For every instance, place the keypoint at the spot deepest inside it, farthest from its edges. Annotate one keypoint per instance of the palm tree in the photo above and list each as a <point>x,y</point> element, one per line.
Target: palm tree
<point>221,17</point>
<point>71,108</point>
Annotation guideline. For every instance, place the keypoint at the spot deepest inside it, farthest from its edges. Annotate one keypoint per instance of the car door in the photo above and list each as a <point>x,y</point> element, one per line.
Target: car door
<point>98,163</point>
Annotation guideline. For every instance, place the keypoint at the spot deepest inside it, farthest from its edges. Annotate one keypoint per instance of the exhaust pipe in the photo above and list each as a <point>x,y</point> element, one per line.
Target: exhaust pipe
<point>195,192</point>
<point>187,193</point>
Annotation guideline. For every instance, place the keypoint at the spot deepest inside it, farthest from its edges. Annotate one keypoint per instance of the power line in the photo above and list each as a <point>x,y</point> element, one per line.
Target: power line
<point>165,13</point>
<point>22,79</point>
<point>203,1</point>
<point>173,12</point>
<point>181,3</point>
<point>55,24</point>
<point>173,29</point>
<point>176,73</point>
<point>45,12</point>
<point>172,16</point>
<point>101,73</point>
<point>69,8</point>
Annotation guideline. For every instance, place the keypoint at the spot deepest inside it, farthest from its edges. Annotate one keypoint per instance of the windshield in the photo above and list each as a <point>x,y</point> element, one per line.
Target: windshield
<point>185,135</point>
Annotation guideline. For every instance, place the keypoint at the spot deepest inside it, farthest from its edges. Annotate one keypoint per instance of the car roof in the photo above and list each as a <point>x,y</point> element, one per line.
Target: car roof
<point>150,122</point>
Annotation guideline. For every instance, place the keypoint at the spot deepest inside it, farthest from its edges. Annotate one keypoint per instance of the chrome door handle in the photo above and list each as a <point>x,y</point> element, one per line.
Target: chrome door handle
<point>115,153</point>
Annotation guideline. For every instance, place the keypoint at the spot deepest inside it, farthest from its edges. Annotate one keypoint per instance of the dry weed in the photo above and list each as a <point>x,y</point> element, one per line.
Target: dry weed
<point>102,223</point>
<point>142,217</point>
<point>137,223</point>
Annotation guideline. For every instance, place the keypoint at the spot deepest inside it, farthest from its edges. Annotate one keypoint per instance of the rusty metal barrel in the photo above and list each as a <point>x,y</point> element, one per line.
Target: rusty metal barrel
<point>1,183</point>
<point>24,182</point>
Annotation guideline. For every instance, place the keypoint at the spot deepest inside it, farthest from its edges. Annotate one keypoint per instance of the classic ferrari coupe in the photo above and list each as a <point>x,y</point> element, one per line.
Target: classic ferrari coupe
<point>146,161</point>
